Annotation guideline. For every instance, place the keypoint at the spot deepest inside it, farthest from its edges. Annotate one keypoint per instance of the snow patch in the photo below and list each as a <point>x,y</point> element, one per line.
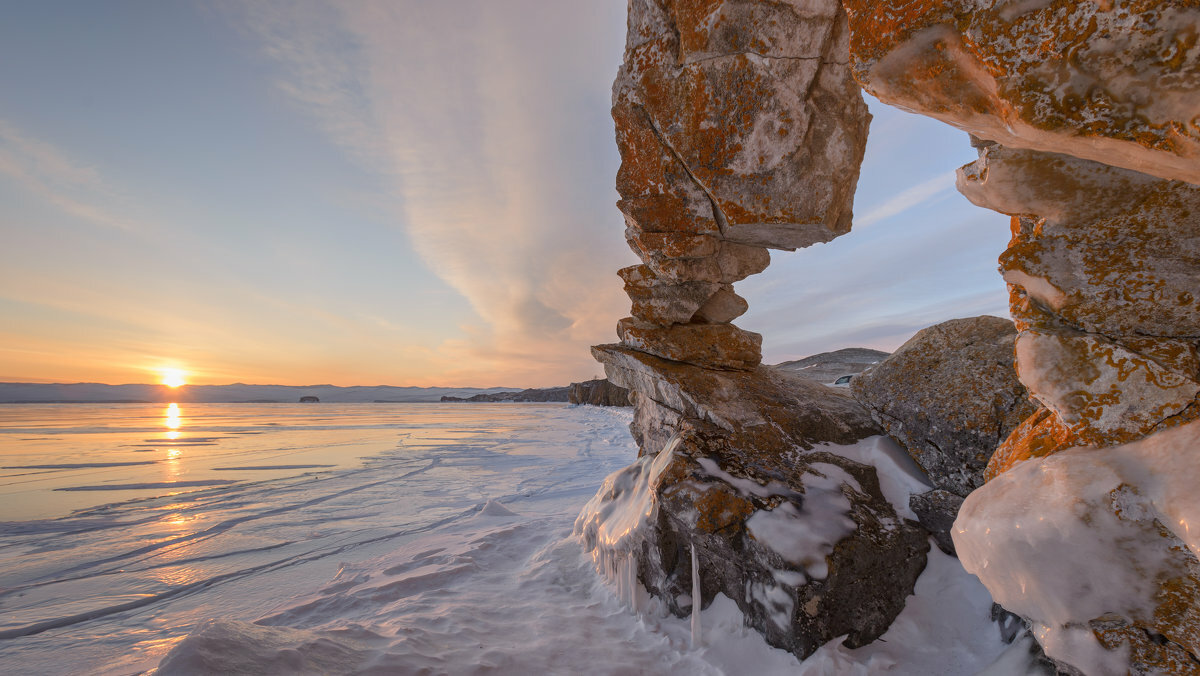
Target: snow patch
<point>806,535</point>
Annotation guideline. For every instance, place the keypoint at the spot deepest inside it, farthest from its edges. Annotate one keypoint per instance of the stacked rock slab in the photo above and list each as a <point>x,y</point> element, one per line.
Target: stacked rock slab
<point>740,129</point>
<point>1085,117</point>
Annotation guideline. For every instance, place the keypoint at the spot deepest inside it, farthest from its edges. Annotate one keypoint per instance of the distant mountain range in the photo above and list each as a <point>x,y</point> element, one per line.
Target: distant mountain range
<point>237,393</point>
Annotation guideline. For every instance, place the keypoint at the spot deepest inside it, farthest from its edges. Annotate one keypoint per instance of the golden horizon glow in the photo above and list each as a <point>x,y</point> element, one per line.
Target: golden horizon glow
<point>173,378</point>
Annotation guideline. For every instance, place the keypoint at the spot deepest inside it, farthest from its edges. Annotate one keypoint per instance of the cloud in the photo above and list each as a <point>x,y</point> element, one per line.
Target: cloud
<point>75,189</point>
<point>480,120</point>
<point>916,196</point>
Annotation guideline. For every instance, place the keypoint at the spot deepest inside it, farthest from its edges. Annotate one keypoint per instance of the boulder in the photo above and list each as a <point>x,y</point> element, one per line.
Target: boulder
<point>751,483</point>
<point>739,115</point>
<point>950,395</point>
<point>598,392</point>
<point>1117,82</point>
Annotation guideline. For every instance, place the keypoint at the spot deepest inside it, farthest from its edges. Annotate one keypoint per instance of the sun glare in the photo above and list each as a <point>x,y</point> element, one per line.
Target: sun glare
<point>173,378</point>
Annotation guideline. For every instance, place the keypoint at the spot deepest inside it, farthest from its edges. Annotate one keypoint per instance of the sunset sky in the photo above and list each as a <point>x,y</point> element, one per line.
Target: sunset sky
<point>403,193</point>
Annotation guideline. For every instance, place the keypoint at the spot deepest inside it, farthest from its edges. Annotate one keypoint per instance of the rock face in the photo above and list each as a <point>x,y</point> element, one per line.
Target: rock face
<point>829,366</point>
<point>949,395</point>
<point>1085,119</point>
<point>598,392</point>
<point>1103,270</point>
<point>733,120</point>
<point>800,537</point>
<point>1113,81</point>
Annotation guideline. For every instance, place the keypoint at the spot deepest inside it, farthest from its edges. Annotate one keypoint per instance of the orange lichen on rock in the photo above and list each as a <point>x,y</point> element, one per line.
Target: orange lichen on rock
<point>740,129</point>
<point>1117,81</point>
<point>1104,393</point>
<point>1040,435</point>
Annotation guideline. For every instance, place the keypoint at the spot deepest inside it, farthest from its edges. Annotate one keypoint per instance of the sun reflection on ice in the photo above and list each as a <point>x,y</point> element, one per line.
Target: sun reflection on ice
<point>173,419</point>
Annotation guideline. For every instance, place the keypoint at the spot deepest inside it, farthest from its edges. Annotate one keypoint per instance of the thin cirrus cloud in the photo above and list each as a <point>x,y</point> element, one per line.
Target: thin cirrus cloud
<point>489,148</point>
<point>46,171</point>
<point>920,195</point>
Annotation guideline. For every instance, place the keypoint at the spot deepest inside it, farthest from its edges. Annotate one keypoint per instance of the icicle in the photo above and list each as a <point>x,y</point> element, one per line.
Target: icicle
<point>695,598</point>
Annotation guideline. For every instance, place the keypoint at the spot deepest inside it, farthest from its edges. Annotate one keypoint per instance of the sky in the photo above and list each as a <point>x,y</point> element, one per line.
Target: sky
<point>389,192</point>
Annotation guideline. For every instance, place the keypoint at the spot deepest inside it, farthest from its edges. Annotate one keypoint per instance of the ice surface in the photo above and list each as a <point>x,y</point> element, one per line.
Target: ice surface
<point>450,552</point>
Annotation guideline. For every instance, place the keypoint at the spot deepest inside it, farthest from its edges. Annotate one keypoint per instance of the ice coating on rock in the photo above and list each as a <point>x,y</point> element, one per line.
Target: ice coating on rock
<point>1117,82</point>
<point>1113,535</point>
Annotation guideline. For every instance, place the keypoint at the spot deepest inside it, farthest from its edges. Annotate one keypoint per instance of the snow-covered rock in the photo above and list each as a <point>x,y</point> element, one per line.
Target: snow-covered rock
<point>799,534</point>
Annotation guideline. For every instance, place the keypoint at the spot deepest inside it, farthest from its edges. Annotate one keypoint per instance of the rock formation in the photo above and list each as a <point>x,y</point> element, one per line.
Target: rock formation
<point>740,130</point>
<point>598,392</point>
<point>1114,81</point>
<point>1084,115</point>
<point>750,479</point>
<point>949,395</point>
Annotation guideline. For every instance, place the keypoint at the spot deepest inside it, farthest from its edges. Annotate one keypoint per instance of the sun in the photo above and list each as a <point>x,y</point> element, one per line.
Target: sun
<point>173,378</point>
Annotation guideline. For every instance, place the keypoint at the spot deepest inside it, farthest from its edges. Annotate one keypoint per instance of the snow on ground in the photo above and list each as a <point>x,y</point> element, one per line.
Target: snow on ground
<point>452,553</point>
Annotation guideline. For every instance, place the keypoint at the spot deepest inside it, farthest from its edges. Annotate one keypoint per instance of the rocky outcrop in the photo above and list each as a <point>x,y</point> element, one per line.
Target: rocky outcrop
<point>950,395</point>
<point>1103,270</point>
<point>533,394</point>
<point>1114,82</point>
<point>827,367</point>
<point>740,129</point>
<point>598,392</point>
<point>750,479</point>
<point>1084,115</point>
<point>733,121</point>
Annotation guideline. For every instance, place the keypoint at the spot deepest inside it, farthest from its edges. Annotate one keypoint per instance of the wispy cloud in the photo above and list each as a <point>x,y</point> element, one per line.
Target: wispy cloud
<point>41,169</point>
<point>916,196</point>
<point>486,146</point>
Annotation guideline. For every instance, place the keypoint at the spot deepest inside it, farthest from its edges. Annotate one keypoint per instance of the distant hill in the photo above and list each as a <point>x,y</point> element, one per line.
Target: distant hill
<point>543,394</point>
<point>237,393</point>
<point>829,366</point>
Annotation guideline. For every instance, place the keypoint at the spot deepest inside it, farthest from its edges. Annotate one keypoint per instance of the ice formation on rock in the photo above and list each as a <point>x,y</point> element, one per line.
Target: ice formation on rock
<point>741,129</point>
<point>768,476</point>
<point>1084,115</point>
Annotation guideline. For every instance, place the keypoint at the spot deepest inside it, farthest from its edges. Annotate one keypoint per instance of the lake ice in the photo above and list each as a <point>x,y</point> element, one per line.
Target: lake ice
<point>371,538</point>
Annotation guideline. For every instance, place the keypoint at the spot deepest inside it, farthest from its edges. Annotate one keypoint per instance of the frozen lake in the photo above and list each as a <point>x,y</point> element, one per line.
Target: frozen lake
<point>363,538</point>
